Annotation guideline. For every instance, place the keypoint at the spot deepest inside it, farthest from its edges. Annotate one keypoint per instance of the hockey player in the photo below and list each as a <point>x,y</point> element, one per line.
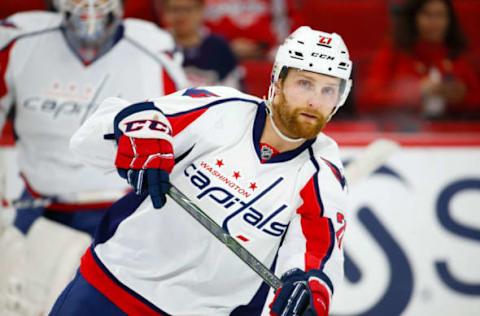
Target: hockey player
<point>56,71</point>
<point>263,170</point>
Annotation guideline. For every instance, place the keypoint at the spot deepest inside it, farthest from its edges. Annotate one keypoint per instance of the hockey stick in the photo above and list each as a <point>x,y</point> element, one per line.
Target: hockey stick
<point>369,160</point>
<point>92,104</point>
<point>74,198</point>
<point>257,266</point>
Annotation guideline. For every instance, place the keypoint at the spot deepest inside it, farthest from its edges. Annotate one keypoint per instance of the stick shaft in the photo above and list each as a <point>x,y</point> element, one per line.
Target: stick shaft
<point>268,276</point>
<point>370,159</point>
<point>90,197</point>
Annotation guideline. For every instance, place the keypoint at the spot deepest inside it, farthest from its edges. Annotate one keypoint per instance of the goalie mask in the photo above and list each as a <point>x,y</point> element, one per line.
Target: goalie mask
<point>91,21</point>
<point>309,50</point>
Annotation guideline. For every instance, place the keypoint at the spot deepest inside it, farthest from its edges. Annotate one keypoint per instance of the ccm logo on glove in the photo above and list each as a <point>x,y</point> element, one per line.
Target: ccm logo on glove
<point>142,120</point>
<point>145,151</point>
<point>137,125</point>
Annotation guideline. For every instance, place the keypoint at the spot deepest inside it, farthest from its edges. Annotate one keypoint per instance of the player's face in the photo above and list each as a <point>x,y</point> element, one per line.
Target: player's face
<point>304,102</point>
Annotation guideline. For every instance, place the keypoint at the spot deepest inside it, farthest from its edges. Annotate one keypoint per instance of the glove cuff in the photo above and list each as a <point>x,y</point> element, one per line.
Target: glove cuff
<point>294,275</point>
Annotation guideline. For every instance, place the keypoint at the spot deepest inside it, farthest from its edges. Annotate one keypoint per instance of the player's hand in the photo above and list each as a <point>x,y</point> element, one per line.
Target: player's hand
<point>453,91</point>
<point>146,164</point>
<point>145,151</point>
<point>429,87</point>
<point>301,294</point>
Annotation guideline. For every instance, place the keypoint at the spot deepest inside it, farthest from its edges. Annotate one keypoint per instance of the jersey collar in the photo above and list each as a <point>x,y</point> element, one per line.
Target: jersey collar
<point>259,125</point>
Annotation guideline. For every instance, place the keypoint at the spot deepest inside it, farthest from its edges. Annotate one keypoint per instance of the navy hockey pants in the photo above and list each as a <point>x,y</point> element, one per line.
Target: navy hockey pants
<point>83,220</point>
<point>79,298</point>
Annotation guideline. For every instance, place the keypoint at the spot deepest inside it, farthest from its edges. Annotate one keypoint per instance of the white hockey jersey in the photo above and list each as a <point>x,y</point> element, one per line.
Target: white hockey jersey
<point>54,92</point>
<point>288,211</point>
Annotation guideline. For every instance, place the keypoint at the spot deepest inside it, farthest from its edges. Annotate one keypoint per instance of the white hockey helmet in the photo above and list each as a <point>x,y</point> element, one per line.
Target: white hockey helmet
<point>91,20</point>
<point>314,51</point>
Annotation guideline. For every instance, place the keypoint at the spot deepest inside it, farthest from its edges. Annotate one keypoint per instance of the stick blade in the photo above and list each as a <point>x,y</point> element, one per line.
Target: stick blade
<point>373,157</point>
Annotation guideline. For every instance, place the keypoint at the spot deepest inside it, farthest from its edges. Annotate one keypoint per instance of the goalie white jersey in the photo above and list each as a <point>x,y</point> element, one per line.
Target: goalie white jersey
<point>54,92</point>
<point>287,211</point>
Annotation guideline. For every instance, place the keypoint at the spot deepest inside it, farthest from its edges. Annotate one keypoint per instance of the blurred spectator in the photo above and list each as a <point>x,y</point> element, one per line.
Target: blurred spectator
<point>423,72</point>
<point>253,27</point>
<point>208,59</point>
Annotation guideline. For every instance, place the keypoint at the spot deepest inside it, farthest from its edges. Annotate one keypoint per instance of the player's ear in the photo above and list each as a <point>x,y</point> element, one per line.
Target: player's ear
<point>278,85</point>
<point>281,78</point>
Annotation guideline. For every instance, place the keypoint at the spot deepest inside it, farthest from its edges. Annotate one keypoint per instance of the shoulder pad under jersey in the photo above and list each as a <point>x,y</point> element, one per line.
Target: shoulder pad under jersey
<point>326,148</point>
<point>26,23</point>
<point>149,36</point>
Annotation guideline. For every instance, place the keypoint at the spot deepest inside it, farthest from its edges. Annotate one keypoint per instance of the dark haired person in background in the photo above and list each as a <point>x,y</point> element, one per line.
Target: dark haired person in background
<point>424,71</point>
<point>208,59</point>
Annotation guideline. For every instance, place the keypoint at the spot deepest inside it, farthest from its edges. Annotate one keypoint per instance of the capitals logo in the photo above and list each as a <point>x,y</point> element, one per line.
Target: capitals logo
<point>232,197</point>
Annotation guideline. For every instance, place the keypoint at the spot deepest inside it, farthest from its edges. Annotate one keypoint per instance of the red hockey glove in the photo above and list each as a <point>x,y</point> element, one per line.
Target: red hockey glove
<point>301,294</point>
<point>145,152</point>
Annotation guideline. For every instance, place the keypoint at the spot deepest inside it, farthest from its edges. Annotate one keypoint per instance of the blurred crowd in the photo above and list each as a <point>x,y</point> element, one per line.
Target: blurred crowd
<point>416,67</point>
<point>415,61</point>
<point>416,64</point>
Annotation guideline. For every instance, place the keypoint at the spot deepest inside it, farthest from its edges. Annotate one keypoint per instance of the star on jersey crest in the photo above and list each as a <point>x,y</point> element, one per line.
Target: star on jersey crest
<point>253,186</point>
<point>220,163</point>
<point>236,174</point>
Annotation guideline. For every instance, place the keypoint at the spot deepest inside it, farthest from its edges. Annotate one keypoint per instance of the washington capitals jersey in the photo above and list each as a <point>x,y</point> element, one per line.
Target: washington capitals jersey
<point>287,211</point>
<point>54,92</point>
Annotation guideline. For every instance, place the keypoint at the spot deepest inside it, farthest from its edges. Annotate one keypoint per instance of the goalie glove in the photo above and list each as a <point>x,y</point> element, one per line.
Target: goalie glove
<point>145,151</point>
<point>301,294</point>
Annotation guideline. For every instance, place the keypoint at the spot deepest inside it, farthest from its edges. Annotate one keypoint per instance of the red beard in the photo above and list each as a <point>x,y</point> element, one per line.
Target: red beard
<point>291,121</point>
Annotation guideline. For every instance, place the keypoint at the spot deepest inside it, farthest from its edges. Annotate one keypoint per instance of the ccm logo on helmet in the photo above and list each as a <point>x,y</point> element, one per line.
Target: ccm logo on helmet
<point>323,56</point>
<point>137,125</point>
